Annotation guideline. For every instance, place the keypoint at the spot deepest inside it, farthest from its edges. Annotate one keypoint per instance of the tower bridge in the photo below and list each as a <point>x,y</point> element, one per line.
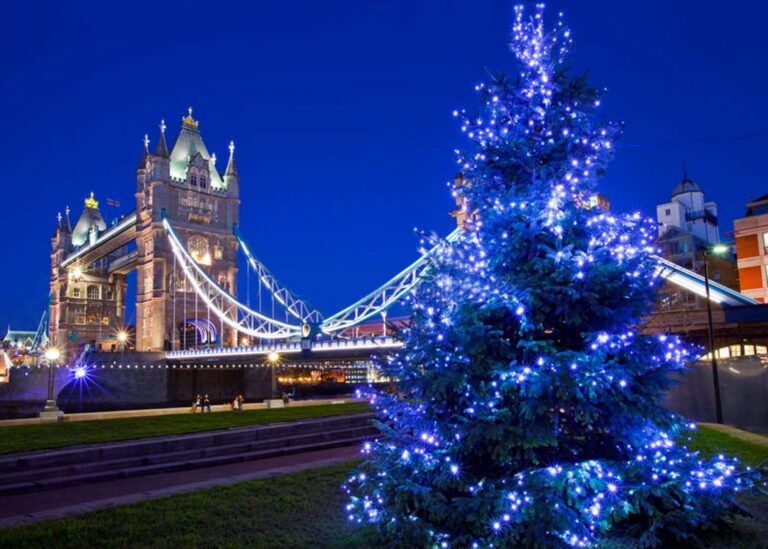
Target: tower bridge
<point>196,329</point>
<point>183,241</point>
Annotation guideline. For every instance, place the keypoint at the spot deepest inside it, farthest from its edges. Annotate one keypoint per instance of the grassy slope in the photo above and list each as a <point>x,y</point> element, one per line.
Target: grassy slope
<point>20,438</point>
<point>298,510</point>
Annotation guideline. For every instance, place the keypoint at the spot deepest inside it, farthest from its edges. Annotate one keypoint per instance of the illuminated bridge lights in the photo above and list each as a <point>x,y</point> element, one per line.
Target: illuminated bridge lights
<point>289,349</point>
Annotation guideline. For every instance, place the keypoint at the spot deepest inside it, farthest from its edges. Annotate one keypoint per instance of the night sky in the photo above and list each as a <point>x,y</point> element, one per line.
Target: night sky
<point>341,116</point>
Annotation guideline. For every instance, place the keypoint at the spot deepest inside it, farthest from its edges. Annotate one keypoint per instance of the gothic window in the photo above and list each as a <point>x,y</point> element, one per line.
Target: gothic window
<point>198,249</point>
<point>193,180</point>
<point>223,281</point>
<point>202,181</point>
<point>218,252</point>
<point>75,292</point>
<point>93,292</point>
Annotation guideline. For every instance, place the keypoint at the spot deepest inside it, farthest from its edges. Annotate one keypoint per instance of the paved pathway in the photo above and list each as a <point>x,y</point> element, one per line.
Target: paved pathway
<point>31,507</point>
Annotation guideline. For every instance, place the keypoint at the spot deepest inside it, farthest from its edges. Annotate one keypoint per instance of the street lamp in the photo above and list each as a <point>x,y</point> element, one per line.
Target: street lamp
<point>717,250</point>
<point>52,354</point>
<point>273,359</point>
<point>122,339</point>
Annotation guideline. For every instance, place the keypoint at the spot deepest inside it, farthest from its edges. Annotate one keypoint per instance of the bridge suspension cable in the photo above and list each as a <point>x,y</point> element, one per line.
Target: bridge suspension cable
<point>385,295</point>
<point>228,309</point>
<point>256,324</point>
<point>293,305</point>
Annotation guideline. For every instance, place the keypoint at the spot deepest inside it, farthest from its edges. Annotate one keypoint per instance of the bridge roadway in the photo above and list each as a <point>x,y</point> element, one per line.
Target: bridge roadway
<point>337,349</point>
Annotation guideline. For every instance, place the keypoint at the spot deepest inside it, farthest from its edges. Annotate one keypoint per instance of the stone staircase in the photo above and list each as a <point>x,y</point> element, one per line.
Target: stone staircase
<point>46,470</point>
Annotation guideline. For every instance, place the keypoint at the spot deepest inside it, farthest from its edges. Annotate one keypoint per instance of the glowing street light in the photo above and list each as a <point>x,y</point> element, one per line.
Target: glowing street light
<point>273,358</point>
<point>122,336</point>
<point>52,354</point>
<point>717,249</point>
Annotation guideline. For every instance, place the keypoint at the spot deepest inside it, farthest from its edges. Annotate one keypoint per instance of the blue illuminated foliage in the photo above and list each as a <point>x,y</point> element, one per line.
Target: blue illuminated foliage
<point>527,410</point>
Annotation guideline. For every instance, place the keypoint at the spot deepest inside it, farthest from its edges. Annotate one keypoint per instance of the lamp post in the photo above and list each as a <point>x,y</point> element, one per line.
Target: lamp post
<point>52,354</point>
<point>272,358</point>
<point>718,249</point>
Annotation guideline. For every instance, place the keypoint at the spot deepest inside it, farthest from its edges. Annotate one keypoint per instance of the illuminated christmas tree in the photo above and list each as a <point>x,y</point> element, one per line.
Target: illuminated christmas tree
<point>528,408</point>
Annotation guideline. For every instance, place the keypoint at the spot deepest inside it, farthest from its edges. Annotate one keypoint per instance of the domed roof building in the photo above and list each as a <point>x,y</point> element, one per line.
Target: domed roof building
<point>688,211</point>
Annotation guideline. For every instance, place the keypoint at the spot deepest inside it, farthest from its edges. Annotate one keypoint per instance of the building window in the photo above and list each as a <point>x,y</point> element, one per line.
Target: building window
<point>202,181</point>
<point>193,180</point>
<point>93,292</point>
<point>75,292</point>
<point>108,294</point>
<point>667,212</point>
<point>218,252</point>
<point>79,319</point>
<point>765,242</point>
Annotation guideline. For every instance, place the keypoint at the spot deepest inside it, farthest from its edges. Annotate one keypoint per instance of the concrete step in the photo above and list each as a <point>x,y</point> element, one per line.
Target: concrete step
<point>19,477</point>
<point>75,480</point>
<point>167,444</point>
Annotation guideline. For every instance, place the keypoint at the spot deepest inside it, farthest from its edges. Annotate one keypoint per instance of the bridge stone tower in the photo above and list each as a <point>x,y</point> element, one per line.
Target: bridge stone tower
<point>203,205</point>
<point>87,301</point>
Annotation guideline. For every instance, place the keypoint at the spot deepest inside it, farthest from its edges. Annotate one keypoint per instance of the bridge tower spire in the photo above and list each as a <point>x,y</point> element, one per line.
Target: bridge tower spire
<point>231,176</point>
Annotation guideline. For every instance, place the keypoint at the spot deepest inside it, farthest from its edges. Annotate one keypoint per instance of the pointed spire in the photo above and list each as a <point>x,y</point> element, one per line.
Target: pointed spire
<point>145,154</point>
<point>162,146</point>
<point>231,168</point>
<point>67,224</point>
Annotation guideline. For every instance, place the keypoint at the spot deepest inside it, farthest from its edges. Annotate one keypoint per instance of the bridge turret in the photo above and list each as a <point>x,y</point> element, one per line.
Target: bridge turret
<point>231,177</point>
<point>141,169</point>
<point>160,162</point>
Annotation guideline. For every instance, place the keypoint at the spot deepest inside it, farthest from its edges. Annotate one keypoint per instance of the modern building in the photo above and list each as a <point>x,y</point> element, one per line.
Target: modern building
<point>751,232</point>
<point>688,211</point>
<point>688,226</point>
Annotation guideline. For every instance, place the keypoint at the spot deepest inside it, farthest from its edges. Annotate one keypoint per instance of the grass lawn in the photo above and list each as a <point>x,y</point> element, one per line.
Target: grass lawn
<point>303,510</point>
<point>21,438</point>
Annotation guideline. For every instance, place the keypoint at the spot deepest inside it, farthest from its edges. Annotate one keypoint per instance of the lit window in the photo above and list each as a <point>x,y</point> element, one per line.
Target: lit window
<point>765,242</point>
<point>79,319</point>
<point>218,252</point>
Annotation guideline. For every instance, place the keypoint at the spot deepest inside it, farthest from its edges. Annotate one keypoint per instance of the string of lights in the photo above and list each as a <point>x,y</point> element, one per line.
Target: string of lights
<point>528,411</point>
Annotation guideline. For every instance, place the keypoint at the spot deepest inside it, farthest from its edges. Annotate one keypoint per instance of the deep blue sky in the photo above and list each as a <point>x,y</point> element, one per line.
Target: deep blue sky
<point>341,113</point>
